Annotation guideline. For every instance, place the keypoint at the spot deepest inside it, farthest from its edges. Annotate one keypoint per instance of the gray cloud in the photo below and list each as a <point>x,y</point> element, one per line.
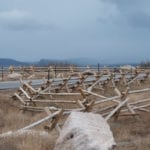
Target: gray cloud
<point>139,19</point>
<point>133,12</point>
<point>108,12</point>
<point>21,20</point>
<point>78,33</point>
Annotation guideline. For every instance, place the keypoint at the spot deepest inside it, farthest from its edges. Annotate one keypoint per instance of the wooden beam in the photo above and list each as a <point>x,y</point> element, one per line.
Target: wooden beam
<point>24,92</point>
<point>116,109</point>
<point>94,94</point>
<point>20,99</point>
<point>40,121</point>
<point>61,94</point>
<point>94,84</point>
<point>139,91</point>
<point>52,101</point>
<point>107,99</point>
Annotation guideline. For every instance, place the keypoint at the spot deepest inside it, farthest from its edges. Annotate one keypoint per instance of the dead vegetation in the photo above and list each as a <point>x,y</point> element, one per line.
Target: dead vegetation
<point>131,131</point>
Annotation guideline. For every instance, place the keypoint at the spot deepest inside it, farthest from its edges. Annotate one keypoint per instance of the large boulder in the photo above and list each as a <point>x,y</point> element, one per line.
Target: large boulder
<point>85,131</point>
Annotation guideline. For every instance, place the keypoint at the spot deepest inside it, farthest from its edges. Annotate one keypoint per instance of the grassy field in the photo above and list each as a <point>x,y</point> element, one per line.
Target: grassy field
<point>131,133</point>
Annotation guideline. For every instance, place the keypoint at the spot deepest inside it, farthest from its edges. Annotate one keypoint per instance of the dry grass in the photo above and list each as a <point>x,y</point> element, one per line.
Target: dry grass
<point>129,132</point>
<point>132,133</point>
<point>26,142</point>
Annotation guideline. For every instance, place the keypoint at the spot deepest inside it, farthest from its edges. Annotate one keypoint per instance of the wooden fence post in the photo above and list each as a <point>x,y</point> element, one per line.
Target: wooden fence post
<point>98,67</point>
<point>48,75</point>
<point>2,72</point>
<point>55,71</point>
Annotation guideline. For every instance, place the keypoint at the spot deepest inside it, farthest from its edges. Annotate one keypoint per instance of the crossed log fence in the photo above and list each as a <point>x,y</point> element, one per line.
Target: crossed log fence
<point>84,91</point>
<point>30,72</point>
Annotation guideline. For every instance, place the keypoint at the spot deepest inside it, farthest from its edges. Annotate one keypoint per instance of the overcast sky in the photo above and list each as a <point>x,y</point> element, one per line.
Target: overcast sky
<point>108,30</point>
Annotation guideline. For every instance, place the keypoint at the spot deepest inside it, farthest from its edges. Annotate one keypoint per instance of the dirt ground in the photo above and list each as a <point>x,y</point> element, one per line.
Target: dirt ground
<point>131,133</point>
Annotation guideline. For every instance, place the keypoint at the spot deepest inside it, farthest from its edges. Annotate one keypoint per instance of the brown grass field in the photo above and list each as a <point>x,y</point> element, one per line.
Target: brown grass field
<point>131,133</point>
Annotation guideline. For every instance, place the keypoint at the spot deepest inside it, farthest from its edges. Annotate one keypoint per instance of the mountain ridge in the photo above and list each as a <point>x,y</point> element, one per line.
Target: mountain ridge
<point>6,62</point>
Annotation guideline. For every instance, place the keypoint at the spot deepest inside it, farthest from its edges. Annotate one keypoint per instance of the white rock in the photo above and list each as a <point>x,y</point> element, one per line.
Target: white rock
<point>128,67</point>
<point>14,76</point>
<point>85,131</point>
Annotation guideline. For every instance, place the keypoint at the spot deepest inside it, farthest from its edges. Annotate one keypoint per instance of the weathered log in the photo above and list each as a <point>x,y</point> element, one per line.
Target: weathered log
<point>29,87</point>
<point>24,92</point>
<point>23,132</point>
<point>20,99</point>
<point>139,91</point>
<point>40,121</point>
<point>94,94</point>
<point>94,84</point>
<point>61,94</point>
<point>107,99</point>
<point>116,109</point>
<point>52,101</point>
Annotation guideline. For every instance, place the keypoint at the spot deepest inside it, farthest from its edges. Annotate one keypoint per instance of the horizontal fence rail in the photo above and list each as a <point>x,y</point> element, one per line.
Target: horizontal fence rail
<point>4,71</point>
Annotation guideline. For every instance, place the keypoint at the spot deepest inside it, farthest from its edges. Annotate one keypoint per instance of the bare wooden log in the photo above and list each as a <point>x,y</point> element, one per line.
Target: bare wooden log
<point>138,82</point>
<point>132,80</point>
<point>89,106</point>
<point>39,108</point>
<point>107,99</point>
<point>144,109</point>
<point>143,106</point>
<point>94,94</point>
<point>139,91</point>
<point>61,94</point>
<point>29,87</point>
<point>31,108</point>
<point>124,80</point>
<point>82,93</point>
<point>40,121</point>
<point>80,104</point>
<point>52,101</point>
<point>47,111</point>
<point>24,92</point>
<point>106,109</point>
<point>23,132</point>
<point>130,108</point>
<point>137,107</point>
<point>55,120</point>
<point>94,84</point>
<point>117,91</point>
<point>113,83</point>
<point>140,101</point>
<point>116,109</point>
<point>125,94</point>
<point>45,90</point>
<point>65,81</point>
<point>129,114</point>
<point>20,99</point>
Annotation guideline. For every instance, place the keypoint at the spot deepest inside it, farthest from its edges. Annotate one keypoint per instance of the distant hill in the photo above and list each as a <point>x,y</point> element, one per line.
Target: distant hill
<point>83,61</point>
<point>75,61</point>
<point>6,62</point>
<point>72,61</point>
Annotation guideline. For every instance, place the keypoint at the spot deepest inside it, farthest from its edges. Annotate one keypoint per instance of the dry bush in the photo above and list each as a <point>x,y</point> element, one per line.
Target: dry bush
<point>132,133</point>
<point>129,133</point>
<point>28,142</point>
<point>9,145</point>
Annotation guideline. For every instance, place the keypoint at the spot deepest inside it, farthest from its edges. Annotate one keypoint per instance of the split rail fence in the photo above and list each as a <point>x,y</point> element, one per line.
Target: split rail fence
<point>85,91</point>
